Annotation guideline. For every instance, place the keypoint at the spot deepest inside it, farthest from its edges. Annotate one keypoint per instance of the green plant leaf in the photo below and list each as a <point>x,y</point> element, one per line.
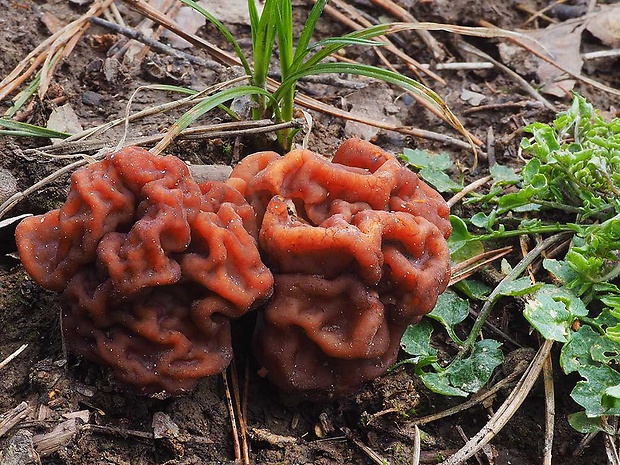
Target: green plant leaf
<point>230,38</point>
<point>552,311</point>
<point>584,424</point>
<point>425,159</point>
<point>462,243</point>
<point>450,310</point>
<point>518,287</point>
<point>504,174</point>
<point>592,393</point>
<point>474,289</point>
<point>439,180</point>
<point>467,376</point>
<point>29,130</point>
<point>416,342</point>
<point>576,353</point>
<point>560,269</point>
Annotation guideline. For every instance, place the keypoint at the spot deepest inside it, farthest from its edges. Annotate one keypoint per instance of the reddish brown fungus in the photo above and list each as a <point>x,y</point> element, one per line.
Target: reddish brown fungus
<point>152,267</point>
<point>358,249</point>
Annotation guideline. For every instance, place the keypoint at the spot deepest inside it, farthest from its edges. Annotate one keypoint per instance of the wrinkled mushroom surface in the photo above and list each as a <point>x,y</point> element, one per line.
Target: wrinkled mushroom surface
<point>358,248</point>
<point>152,267</point>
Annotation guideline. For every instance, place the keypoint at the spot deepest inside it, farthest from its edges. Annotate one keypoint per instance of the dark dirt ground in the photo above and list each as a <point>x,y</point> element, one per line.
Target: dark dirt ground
<point>119,424</point>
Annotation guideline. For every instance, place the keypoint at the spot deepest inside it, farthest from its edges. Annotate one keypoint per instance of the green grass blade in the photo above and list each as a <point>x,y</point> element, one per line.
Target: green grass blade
<point>306,34</point>
<point>332,45</point>
<point>391,77</point>
<point>207,105</point>
<point>223,30</point>
<point>285,47</point>
<point>285,35</point>
<point>24,96</point>
<point>264,39</point>
<point>254,19</point>
<point>30,130</point>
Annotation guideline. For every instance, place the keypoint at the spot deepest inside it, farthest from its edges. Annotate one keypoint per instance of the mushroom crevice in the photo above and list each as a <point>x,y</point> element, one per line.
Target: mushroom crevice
<point>151,266</point>
<point>358,249</point>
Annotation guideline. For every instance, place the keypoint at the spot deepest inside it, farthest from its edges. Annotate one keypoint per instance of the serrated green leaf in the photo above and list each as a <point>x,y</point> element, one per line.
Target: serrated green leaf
<point>552,311</point>
<point>584,424</point>
<point>560,269</point>
<point>576,353</point>
<point>474,289</point>
<point>472,373</point>
<point>518,287</point>
<point>504,174</point>
<point>425,159</point>
<point>440,384</point>
<point>589,393</point>
<point>450,310</point>
<point>439,180</point>
<point>416,342</point>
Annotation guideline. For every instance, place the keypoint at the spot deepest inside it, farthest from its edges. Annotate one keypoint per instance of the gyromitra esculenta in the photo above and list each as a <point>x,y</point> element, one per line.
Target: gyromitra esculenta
<point>151,265</point>
<point>358,249</point>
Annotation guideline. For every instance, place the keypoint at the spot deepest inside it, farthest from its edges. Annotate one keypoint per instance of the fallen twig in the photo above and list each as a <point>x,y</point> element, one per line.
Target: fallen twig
<point>7,360</point>
<point>549,410</point>
<point>506,410</point>
<point>154,44</point>
<point>476,399</point>
<point>11,418</point>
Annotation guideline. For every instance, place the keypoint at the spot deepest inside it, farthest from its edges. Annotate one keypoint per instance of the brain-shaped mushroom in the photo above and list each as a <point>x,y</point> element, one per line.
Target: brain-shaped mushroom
<point>358,249</point>
<point>152,267</point>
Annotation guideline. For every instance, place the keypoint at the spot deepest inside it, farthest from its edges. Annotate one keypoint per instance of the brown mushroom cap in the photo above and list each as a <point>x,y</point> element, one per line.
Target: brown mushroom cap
<point>358,248</point>
<point>152,267</point>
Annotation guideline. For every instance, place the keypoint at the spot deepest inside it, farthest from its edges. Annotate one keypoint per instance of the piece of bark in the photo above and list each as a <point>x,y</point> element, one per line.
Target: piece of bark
<point>19,450</point>
<point>13,417</point>
<point>48,443</point>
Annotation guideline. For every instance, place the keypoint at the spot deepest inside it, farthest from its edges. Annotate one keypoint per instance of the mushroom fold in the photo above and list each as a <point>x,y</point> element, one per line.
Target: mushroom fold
<point>358,249</point>
<point>151,266</point>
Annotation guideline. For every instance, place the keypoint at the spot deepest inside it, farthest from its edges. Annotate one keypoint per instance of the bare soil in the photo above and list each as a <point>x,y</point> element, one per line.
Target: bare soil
<point>119,424</point>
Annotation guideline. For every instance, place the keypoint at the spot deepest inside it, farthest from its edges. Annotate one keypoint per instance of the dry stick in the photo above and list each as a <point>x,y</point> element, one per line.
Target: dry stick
<point>480,397</point>
<point>613,53</point>
<point>19,80</point>
<point>152,43</point>
<point>371,454</point>
<point>66,41</point>
<point>416,446</point>
<point>610,447</point>
<point>466,268</point>
<point>497,292</point>
<point>11,418</point>
<point>467,189</point>
<point>240,417</point>
<point>170,8</point>
<point>7,360</point>
<point>362,22</point>
<point>308,102</point>
<point>522,82</point>
<point>233,129</point>
<point>549,410</point>
<point>505,412</point>
<point>400,13</point>
<point>233,421</point>
<point>543,56</point>
<point>535,14</point>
